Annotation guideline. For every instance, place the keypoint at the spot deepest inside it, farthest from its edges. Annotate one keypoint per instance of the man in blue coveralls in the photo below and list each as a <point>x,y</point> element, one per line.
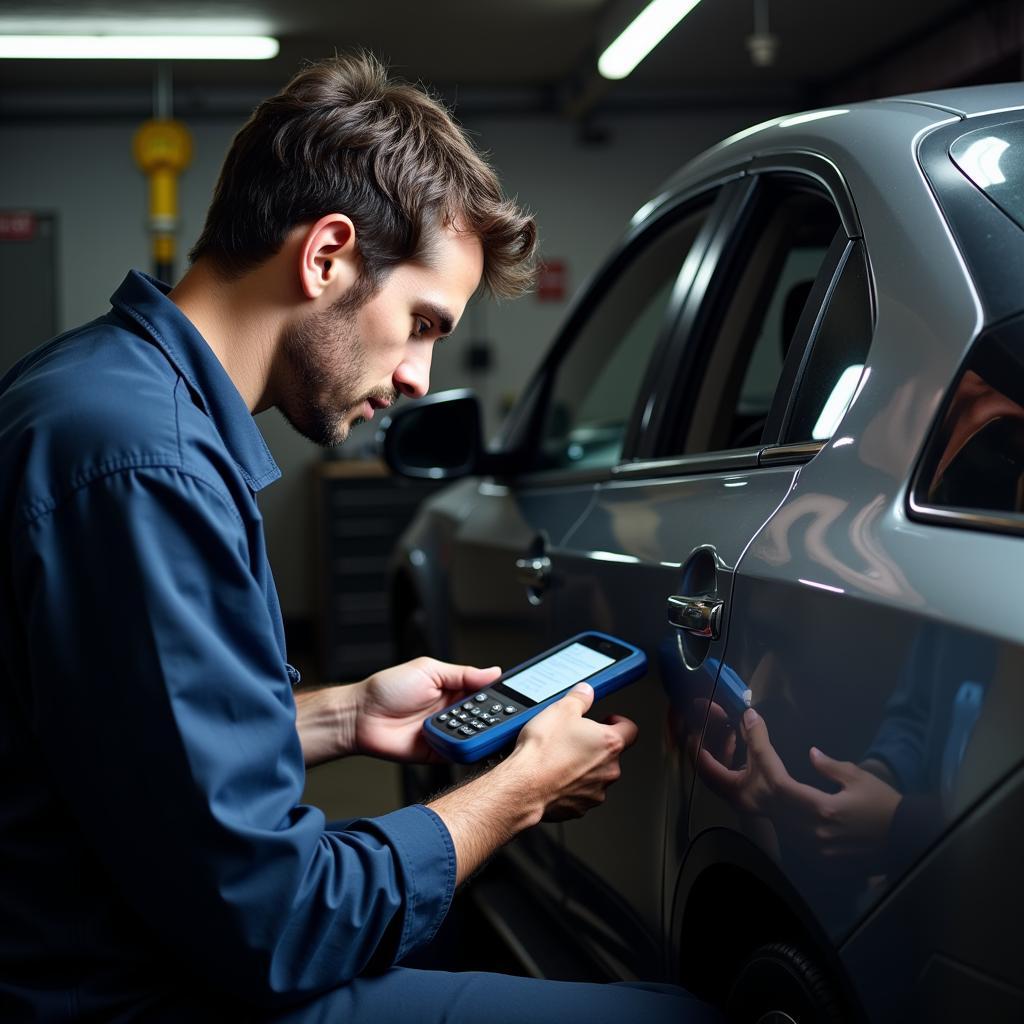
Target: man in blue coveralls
<point>155,861</point>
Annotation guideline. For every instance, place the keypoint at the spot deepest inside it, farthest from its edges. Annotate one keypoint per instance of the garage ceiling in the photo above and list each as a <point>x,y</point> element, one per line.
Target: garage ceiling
<point>545,47</point>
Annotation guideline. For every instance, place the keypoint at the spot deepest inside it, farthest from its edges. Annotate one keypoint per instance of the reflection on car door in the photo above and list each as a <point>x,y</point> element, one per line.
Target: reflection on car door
<point>675,527</point>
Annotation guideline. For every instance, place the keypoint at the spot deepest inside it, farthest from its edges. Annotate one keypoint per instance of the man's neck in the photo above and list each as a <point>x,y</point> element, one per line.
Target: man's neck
<point>240,319</point>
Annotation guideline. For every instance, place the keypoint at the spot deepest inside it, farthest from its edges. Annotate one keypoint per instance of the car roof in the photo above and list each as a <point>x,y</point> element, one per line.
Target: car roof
<point>971,101</point>
<point>878,128</point>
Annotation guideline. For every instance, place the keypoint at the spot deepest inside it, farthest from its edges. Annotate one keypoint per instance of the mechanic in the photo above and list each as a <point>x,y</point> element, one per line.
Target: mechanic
<point>155,861</point>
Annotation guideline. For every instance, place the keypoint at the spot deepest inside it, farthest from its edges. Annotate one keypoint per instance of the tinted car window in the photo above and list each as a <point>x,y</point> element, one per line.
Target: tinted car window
<point>760,297</point>
<point>993,159</point>
<point>975,460</point>
<point>596,384</point>
<point>838,353</point>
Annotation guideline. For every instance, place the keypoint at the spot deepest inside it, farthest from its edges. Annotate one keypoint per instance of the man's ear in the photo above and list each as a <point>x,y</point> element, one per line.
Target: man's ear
<point>327,257</point>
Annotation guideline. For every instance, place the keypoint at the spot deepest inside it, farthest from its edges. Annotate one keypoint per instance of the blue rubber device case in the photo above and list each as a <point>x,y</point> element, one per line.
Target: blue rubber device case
<point>731,693</point>
<point>491,719</point>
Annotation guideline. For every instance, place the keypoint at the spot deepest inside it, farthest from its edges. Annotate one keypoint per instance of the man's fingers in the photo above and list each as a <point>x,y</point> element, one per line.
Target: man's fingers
<point>724,781</point>
<point>837,771</point>
<point>755,733</point>
<point>462,677</point>
<point>579,698</point>
<point>716,713</point>
<point>625,727</point>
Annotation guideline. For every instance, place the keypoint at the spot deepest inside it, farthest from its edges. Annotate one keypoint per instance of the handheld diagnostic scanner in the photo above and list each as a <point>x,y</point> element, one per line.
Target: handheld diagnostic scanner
<point>491,719</point>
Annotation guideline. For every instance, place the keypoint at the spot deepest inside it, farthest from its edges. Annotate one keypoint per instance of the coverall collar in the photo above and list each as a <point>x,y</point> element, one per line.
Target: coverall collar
<point>144,301</point>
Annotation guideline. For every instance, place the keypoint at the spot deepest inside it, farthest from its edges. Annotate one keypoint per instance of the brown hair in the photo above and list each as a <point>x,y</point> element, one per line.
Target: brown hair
<point>343,137</point>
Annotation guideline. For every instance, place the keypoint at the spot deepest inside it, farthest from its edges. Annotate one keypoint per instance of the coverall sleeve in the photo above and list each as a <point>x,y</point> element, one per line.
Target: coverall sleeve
<point>162,704</point>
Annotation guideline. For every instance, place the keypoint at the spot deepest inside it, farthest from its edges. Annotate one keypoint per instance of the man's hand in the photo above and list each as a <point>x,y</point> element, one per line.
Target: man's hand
<point>573,759</point>
<point>850,826</point>
<point>762,784</point>
<point>560,767</point>
<point>392,704</point>
<point>383,715</point>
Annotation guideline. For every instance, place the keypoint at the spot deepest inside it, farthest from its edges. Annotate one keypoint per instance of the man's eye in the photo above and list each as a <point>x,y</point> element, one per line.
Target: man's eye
<point>422,327</point>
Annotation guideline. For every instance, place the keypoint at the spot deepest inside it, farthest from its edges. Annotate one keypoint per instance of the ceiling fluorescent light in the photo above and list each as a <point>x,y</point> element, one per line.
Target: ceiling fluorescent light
<point>118,47</point>
<point>642,35</point>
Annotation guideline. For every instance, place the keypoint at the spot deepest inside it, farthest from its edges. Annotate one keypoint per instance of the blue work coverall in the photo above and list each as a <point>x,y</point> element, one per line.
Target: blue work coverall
<point>155,861</point>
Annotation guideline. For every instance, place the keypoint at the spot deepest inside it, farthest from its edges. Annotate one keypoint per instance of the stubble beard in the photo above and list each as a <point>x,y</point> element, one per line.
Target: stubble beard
<point>327,360</point>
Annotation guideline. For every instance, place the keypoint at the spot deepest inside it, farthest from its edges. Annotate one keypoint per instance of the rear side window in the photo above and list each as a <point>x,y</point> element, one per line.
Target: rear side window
<point>759,300</point>
<point>993,159</point>
<point>973,468</point>
<point>838,352</point>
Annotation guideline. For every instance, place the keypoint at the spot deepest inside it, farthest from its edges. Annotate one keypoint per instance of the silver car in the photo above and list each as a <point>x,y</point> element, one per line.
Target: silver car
<point>779,444</point>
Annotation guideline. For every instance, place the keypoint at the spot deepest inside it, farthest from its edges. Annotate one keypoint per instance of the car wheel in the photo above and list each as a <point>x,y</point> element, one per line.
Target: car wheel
<point>780,984</point>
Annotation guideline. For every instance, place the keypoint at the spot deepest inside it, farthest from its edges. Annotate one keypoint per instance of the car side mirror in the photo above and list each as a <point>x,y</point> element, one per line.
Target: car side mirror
<point>435,438</point>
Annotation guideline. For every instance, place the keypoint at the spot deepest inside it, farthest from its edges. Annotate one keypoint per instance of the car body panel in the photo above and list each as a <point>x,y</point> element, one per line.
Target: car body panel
<point>892,644</point>
<point>623,560</point>
<point>961,972</point>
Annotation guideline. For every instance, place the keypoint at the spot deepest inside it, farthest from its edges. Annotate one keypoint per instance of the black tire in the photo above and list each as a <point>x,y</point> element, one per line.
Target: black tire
<point>780,984</point>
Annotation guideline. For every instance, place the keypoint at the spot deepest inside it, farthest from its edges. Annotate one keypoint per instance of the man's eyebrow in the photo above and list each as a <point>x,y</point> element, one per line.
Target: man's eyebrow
<point>441,317</point>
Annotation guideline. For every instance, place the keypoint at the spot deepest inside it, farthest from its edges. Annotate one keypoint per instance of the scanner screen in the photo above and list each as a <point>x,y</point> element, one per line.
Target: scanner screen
<point>563,669</point>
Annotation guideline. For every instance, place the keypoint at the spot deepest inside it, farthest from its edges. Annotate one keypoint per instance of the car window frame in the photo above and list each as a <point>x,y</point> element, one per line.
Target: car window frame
<point>840,252</point>
<point>736,189</point>
<point>804,170</point>
<point>524,430</point>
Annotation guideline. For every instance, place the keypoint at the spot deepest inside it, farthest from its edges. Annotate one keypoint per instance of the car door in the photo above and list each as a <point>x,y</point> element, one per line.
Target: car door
<point>574,419</point>
<point>578,410</point>
<point>653,557</point>
<point>880,606</point>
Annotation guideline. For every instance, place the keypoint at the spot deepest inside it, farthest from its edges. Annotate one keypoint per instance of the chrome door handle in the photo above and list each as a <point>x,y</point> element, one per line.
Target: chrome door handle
<point>533,571</point>
<point>701,616</point>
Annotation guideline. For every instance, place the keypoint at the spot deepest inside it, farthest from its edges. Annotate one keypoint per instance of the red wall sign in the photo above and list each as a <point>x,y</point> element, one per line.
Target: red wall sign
<point>17,225</point>
<point>553,281</point>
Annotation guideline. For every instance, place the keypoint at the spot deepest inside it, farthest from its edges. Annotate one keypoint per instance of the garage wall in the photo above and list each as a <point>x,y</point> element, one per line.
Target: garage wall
<point>582,194</point>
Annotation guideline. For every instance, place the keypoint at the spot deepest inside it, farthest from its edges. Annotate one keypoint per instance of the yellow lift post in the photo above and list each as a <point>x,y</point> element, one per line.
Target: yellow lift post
<point>162,148</point>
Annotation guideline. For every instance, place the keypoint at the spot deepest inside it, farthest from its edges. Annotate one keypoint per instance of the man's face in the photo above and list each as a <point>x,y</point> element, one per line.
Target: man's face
<point>342,363</point>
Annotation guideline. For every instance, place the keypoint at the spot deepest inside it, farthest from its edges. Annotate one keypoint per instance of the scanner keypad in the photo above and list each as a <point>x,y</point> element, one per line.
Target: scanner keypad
<point>476,715</point>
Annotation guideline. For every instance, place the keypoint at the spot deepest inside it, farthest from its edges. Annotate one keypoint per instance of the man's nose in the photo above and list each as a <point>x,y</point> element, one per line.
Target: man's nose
<point>412,378</point>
